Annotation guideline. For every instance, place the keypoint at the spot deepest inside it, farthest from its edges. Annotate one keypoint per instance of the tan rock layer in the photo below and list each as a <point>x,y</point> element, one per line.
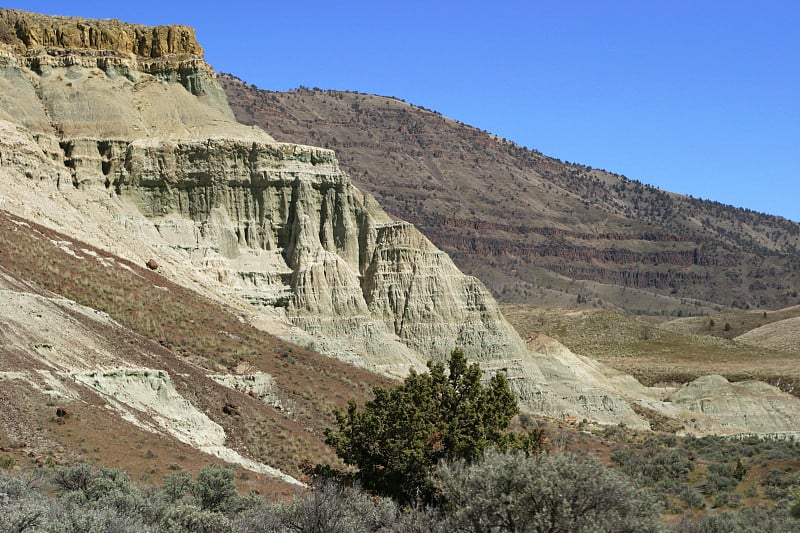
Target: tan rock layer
<point>30,31</point>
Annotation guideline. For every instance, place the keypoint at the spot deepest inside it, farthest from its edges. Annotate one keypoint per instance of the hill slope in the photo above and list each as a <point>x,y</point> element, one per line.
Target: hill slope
<point>739,345</point>
<point>528,225</point>
<point>109,158</point>
<point>130,124</point>
<point>148,350</point>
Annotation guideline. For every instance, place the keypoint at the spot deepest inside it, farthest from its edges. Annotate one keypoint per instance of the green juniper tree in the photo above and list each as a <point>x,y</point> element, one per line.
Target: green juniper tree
<point>400,436</point>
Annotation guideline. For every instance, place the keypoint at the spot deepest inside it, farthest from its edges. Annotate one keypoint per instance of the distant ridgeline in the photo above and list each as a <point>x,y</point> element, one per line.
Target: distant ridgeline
<point>535,229</point>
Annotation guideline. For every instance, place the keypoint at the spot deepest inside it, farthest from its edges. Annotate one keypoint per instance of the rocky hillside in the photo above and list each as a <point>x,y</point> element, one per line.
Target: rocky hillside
<point>276,225</point>
<point>104,360</point>
<point>740,345</point>
<point>262,256</point>
<point>529,225</point>
<point>118,138</point>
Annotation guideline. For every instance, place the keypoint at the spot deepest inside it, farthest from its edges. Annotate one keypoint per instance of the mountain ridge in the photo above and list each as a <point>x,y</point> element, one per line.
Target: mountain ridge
<point>461,186</point>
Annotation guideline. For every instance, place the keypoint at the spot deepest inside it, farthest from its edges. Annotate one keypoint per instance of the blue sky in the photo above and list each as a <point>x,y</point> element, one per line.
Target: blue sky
<point>696,97</point>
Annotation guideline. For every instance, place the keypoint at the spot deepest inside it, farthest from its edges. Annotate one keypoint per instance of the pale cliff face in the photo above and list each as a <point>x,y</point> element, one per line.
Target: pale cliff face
<point>349,272</point>
<point>136,112</point>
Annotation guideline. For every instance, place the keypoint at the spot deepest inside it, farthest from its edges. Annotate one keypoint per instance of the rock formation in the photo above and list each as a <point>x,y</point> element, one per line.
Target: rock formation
<point>713,404</point>
<point>137,112</point>
<point>119,134</point>
<point>30,31</point>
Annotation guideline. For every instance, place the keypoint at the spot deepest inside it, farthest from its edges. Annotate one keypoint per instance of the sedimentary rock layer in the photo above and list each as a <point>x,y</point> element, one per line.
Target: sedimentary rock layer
<point>136,112</point>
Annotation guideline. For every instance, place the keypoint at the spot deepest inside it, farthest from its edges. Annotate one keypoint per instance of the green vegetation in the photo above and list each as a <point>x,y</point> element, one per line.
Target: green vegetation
<point>710,474</point>
<point>550,492</point>
<point>610,480</point>
<point>106,500</point>
<point>654,490</point>
<point>402,434</point>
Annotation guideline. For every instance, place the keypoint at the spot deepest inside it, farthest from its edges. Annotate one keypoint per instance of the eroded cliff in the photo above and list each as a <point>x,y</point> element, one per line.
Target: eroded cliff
<point>120,135</point>
<point>136,113</point>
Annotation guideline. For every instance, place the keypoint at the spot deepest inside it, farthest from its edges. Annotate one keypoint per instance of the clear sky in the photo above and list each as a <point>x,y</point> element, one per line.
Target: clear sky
<point>692,96</point>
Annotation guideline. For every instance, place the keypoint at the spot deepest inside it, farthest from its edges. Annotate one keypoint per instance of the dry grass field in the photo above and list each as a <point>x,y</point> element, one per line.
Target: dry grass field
<point>655,350</point>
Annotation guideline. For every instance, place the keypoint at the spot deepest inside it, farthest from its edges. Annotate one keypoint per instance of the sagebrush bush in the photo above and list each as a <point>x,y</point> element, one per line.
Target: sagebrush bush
<point>719,478</point>
<point>330,507</point>
<point>214,488</point>
<point>778,485</point>
<point>551,492</point>
<point>23,507</point>
<point>654,465</point>
<point>176,486</point>
<point>746,520</point>
<point>106,500</point>
<point>74,478</point>
<point>186,518</point>
<point>504,491</point>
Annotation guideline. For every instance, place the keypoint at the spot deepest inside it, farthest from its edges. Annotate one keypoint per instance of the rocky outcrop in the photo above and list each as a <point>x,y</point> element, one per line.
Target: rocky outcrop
<point>577,388</point>
<point>31,31</point>
<point>136,112</point>
<point>259,385</point>
<point>713,404</point>
<point>344,268</point>
<point>57,75</point>
<point>423,298</point>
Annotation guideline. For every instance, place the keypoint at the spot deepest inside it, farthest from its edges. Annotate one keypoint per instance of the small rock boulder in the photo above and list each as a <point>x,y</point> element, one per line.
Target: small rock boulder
<point>61,416</point>
<point>151,264</point>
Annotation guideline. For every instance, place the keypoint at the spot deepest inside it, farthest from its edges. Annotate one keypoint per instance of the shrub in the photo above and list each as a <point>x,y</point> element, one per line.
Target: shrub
<point>794,510</point>
<point>6,462</point>
<point>654,465</point>
<point>745,520</point>
<point>692,498</point>
<point>214,488</point>
<point>740,471</point>
<point>176,486</point>
<point>726,499</point>
<point>182,518</point>
<point>777,485</point>
<point>513,492</point>
<point>111,488</point>
<point>74,478</point>
<point>22,507</point>
<point>329,508</point>
<point>75,517</point>
<point>720,478</point>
